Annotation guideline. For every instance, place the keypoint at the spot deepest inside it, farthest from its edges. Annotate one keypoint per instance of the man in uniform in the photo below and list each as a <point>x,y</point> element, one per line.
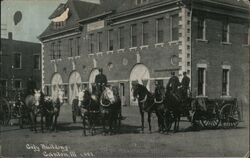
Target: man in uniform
<point>173,84</point>
<point>185,84</point>
<point>100,81</point>
<point>31,86</point>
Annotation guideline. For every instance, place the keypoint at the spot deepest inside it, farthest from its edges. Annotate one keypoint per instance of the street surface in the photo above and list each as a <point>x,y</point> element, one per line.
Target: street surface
<point>69,141</point>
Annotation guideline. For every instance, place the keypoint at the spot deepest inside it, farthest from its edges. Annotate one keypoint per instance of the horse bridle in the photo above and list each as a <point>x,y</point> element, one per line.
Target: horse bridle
<point>158,102</point>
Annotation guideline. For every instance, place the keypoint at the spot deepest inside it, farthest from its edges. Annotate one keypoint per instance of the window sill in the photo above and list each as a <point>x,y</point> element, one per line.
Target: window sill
<point>120,50</point>
<point>91,54</point>
<point>143,46</point>
<point>173,42</point>
<point>202,40</point>
<point>245,45</point>
<point>133,48</point>
<point>226,43</point>
<point>159,45</point>
<point>110,52</point>
<point>99,53</point>
<point>55,60</point>
<point>226,96</point>
<point>201,96</point>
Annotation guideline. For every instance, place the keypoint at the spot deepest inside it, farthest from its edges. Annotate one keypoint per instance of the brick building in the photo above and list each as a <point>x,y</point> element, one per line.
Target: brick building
<point>19,60</point>
<point>144,41</point>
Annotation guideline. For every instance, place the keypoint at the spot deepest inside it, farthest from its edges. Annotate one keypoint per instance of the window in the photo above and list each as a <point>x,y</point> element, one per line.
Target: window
<point>121,37</point>
<point>225,32</point>
<point>17,60</point>
<point>52,51</point>
<point>3,88</point>
<point>201,81</point>
<point>225,82</point>
<point>139,2</point>
<point>59,49</point>
<point>145,31</point>
<point>246,39</point>
<point>1,54</point>
<point>71,47</point>
<point>174,27</point>
<point>201,34</point>
<point>159,30</point>
<point>99,41</point>
<point>133,35</point>
<point>59,24</point>
<point>37,62</point>
<point>91,41</point>
<point>78,46</point>
<point>110,40</point>
<point>18,84</point>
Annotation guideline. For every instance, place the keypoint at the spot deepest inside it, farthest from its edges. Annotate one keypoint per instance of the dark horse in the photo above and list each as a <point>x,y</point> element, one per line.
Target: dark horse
<point>150,103</point>
<point>177,106</point>
<point>90,110</point>
<point>35,106</point>
<point>110,109</point>
<point>52,112</point>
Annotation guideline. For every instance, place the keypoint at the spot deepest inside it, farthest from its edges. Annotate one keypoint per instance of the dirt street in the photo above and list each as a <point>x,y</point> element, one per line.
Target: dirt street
<point>69,141</point>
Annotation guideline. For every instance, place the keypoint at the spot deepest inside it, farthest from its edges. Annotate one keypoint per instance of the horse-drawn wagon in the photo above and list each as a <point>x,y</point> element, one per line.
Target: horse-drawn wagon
<point>12,107</point>
<point>212,112</point>
<point>5,113</point>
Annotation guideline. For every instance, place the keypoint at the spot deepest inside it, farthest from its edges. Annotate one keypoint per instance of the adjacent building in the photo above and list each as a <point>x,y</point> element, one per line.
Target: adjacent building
<point>19,61</point>
<point>144,41</point>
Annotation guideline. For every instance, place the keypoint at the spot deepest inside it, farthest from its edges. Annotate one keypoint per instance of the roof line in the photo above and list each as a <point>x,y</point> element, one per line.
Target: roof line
<point>96,16</point>
<point>224,4</point>
<point>139,9</point>
<point>59,32</point>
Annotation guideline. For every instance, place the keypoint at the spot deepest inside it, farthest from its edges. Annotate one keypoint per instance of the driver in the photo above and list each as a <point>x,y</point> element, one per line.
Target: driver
<point>100,81</point>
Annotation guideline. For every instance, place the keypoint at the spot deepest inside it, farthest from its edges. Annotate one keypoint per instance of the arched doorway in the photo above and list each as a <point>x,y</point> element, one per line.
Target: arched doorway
<point>92,75</point>
<point>74,85</point>
<point>140,74</point>
<point>56,82</point>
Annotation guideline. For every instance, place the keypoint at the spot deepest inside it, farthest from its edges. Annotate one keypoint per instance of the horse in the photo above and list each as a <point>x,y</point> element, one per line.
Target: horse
<point>35,106</point>
<point>89,109</point>
<point>177,105</point>
<point>149,103</point>
<point>110,109</point>
<point>52,112</point>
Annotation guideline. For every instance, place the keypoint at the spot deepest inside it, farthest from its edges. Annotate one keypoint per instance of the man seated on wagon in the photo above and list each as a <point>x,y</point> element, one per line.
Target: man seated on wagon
<point>31,86</point>
<point>185,85</point>
<point>100,81</point>
<point>173,84</point>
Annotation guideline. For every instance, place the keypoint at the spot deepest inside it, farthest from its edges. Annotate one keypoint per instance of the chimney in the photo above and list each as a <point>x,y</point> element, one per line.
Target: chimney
<point>10,35</point>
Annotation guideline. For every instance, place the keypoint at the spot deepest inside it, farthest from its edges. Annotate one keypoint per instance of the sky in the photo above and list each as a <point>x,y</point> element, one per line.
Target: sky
<point>34,19</point>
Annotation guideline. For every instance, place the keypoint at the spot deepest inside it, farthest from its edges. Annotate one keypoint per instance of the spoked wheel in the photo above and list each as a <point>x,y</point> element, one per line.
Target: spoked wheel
<point>5,111</point>
<point>229,116</point>
<point>210,121</point>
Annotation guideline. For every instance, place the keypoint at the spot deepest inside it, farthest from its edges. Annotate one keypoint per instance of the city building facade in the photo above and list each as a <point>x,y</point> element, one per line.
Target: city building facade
<point>144,41</point>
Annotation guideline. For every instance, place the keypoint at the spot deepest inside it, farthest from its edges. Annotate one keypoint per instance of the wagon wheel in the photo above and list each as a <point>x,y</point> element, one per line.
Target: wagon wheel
<point>5,111</point>
<point>210,121</point>
<point>229,116</point>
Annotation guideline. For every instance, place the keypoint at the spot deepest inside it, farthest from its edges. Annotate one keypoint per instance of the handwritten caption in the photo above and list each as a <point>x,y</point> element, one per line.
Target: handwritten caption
<point>54,150</point>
